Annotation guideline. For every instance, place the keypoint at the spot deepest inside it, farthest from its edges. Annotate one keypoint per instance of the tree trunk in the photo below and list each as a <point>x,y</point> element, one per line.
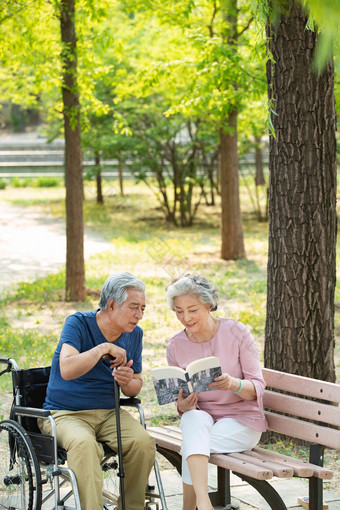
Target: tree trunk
<point>259,176</point>
<point>100,197</point>
<point>299,336</point>
<point>120,173</point>
<point>75,267</point>
<point>232,232</point>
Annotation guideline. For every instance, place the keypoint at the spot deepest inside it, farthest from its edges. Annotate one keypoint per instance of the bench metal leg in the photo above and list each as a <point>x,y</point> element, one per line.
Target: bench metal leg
<point>316,456</point>
<point>221,497</point>
<point>267,491</point>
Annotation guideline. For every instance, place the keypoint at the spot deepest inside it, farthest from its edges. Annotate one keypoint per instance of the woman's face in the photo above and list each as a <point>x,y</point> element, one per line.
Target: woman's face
<point>192,313</point>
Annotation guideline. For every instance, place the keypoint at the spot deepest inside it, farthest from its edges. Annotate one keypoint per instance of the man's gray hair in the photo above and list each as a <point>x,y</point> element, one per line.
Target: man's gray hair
<point>196,285</point>
<point>116,286</point>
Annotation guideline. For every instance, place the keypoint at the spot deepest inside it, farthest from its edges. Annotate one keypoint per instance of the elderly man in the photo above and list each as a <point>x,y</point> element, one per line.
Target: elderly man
<point>80,393</point>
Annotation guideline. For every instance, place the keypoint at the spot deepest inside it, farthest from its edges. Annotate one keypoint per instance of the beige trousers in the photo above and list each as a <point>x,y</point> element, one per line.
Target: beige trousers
<point>78,432</point>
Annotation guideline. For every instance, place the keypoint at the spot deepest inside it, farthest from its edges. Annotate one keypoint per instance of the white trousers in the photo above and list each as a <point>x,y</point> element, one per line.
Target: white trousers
<point>202,436</point>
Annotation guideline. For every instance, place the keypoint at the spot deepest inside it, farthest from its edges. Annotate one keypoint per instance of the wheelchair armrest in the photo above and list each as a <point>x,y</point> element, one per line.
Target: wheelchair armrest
<point>129,401</point>
<point>31,411</point>
<point>134,402</point>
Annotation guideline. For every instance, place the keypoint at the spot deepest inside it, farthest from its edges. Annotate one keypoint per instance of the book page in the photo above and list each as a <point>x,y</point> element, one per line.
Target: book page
<point>167,382</point>
<point>202,364</point>
<point>200,380</point>
<point>167,372</point>
<point>202,372</point>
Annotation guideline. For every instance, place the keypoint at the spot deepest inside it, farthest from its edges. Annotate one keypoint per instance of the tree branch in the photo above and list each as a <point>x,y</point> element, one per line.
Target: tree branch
<point>210,26</point>
<point>246,27</point>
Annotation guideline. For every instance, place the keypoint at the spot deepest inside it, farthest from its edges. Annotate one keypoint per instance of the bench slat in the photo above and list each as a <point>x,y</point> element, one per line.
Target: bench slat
<point>301,469</point>
<point>176,431</point>
<point>240,466</point>
<point>325,413</point>
<point>302,385</point>
<point>303,430</point>
<point>166,442</point>
<point>164,432</point>
<point>278,469</point>
<point>164,439</point>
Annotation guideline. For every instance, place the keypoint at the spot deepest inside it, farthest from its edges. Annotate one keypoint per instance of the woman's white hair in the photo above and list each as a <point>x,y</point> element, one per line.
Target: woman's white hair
<point>196,285</point>
<point>116,286</point>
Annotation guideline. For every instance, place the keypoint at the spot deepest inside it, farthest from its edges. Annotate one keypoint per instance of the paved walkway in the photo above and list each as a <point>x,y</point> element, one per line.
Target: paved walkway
<point>242,494</point>
<point>245,495</point>
<point>33,244</point>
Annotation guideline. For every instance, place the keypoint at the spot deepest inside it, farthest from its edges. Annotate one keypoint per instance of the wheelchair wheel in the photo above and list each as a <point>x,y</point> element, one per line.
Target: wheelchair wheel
<point>20,479</point>
<point>109,467</point>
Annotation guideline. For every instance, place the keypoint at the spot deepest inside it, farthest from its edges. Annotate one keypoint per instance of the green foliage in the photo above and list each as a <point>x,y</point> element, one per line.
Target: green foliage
<point>3,184</point>
<point>18,182</point>
<point>42,290</point>
<point>38,182</point>
<point>27,347</point>
<point>46,182</point>
<point>169,154</point>
<point>323,16</point>
<point>326,16</point>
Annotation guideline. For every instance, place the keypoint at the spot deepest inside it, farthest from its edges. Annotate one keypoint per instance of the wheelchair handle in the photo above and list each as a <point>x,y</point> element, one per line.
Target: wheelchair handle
<point>11,365</point>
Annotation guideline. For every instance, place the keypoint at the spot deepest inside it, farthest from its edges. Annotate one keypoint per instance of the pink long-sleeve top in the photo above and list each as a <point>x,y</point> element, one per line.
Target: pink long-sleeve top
<point>235,347</point>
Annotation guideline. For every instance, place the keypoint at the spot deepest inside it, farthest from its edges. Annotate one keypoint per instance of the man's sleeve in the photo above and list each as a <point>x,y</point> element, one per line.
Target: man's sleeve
<point>71,333</point>
<point>137,355</point>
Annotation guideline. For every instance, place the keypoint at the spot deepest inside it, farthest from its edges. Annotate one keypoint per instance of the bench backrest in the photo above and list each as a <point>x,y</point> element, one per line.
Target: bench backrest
<point>326,414</point>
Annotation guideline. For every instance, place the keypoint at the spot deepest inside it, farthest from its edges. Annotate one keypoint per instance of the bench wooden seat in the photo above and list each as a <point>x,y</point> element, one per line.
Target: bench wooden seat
<point>314,421</point>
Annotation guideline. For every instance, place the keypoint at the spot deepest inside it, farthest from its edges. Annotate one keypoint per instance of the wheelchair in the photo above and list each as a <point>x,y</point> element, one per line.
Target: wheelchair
<point>33,469</point>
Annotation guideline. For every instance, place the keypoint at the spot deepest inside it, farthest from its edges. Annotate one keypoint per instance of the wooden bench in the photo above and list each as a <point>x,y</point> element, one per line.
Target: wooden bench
<point>315,421</point>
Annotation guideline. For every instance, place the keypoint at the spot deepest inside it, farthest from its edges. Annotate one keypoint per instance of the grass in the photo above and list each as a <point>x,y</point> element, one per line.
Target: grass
<point>31,316</point>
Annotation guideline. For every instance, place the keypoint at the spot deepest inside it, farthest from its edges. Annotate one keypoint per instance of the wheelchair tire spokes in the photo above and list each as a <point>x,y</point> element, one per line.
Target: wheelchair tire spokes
<point>110,483</point>
<point>20,481</point>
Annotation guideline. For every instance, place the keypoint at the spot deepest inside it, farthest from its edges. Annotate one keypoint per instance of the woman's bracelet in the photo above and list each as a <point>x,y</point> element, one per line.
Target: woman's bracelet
<point>240,388</point>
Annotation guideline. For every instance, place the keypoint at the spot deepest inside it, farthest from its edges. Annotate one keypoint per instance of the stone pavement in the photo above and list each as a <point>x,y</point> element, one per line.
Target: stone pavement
<point>242,494</point>
<point>33,244</point>
<point>245,495</point>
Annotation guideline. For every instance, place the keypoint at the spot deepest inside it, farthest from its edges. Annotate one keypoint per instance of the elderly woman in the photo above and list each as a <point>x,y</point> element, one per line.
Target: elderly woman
<point>230,419</point>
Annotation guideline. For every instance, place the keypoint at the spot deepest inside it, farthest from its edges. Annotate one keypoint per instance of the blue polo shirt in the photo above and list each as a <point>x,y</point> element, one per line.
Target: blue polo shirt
<point>93,390</point>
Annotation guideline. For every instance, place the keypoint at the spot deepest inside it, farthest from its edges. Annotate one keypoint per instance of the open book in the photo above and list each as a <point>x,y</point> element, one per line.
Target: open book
<point>169,380</point>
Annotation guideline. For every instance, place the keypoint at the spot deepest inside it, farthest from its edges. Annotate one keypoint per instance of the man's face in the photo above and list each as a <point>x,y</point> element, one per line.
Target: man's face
<point>127,315</point>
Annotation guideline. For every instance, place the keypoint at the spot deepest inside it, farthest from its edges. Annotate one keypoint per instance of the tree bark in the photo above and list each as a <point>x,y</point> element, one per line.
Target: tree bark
<point>120,173</point>
<point>259,175</point>
<point>299,335</point>
<point>232,247</point>
<point>100,197</point>
<point>232,231</point>
<point>75,266</point>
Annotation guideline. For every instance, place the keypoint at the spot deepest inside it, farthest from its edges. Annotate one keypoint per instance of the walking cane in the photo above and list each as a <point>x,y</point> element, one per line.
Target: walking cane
<point>121,473</point>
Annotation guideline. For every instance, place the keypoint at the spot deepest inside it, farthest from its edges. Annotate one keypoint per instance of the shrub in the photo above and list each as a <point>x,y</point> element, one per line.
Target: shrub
<point>19,183</point>
<point>46,182</point>
<point>2,184</point>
